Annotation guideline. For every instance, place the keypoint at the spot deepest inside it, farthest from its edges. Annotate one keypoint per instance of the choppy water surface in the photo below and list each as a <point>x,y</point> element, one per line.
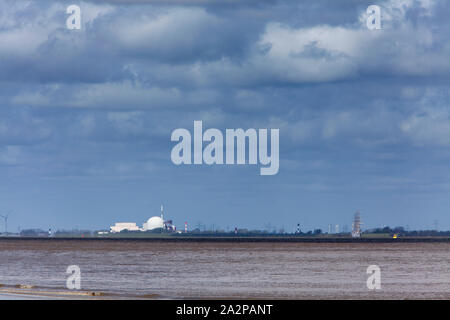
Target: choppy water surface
<point>232,270</point>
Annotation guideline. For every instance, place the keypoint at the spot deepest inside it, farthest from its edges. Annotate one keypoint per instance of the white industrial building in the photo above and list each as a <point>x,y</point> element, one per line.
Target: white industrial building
<point>120,226</point>
<point>151,224</point>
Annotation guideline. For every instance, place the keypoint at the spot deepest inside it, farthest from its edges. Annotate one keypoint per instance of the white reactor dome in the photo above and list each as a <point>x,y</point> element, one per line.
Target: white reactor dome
<point>154,223</point>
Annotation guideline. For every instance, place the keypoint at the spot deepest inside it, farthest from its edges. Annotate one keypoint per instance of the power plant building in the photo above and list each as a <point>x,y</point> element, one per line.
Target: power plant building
<point>120,226</point>
<point>151,224</point>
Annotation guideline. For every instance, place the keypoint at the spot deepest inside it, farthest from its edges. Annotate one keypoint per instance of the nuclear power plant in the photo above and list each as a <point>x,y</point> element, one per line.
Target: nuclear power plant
<point>159,223</point>
<point>153,223</point>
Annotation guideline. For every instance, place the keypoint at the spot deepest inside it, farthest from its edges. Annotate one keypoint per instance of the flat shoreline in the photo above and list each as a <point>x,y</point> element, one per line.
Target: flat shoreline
<point>34,293</point>
<point>241,239</point>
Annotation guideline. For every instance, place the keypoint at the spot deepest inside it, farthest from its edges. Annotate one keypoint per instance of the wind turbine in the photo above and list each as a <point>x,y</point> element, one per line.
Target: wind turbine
<point>6,222</point>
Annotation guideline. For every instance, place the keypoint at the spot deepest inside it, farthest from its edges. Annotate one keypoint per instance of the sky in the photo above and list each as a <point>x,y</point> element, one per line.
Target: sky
<point>86,115</point>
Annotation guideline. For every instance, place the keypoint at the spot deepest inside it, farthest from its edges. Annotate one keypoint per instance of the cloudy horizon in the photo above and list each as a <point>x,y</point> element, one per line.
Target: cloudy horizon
<point>86,115</point>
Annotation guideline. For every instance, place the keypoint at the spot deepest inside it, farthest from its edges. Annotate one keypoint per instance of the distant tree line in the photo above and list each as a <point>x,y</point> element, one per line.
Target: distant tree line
<point>33,233</point>
<point>58,233</point>
<point>241,232</point>
<point>412,233</point>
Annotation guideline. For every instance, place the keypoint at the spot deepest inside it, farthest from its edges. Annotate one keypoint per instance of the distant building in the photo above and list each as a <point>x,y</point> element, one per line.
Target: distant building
<point>152,224</point>
<point>158,223</point>
<point>121,226</point>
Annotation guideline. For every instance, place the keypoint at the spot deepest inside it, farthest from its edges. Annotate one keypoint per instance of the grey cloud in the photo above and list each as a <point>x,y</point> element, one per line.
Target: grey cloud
<point>216,48</point>
<point>368,108</point>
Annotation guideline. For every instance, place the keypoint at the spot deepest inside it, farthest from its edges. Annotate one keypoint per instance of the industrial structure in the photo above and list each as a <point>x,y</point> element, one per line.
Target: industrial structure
<point>121,226</point>
<point>152,223</point>
<point>356,226</point>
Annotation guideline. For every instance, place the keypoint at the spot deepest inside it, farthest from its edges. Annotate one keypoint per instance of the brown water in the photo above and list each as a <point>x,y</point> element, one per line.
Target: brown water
<point>232,270</point>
